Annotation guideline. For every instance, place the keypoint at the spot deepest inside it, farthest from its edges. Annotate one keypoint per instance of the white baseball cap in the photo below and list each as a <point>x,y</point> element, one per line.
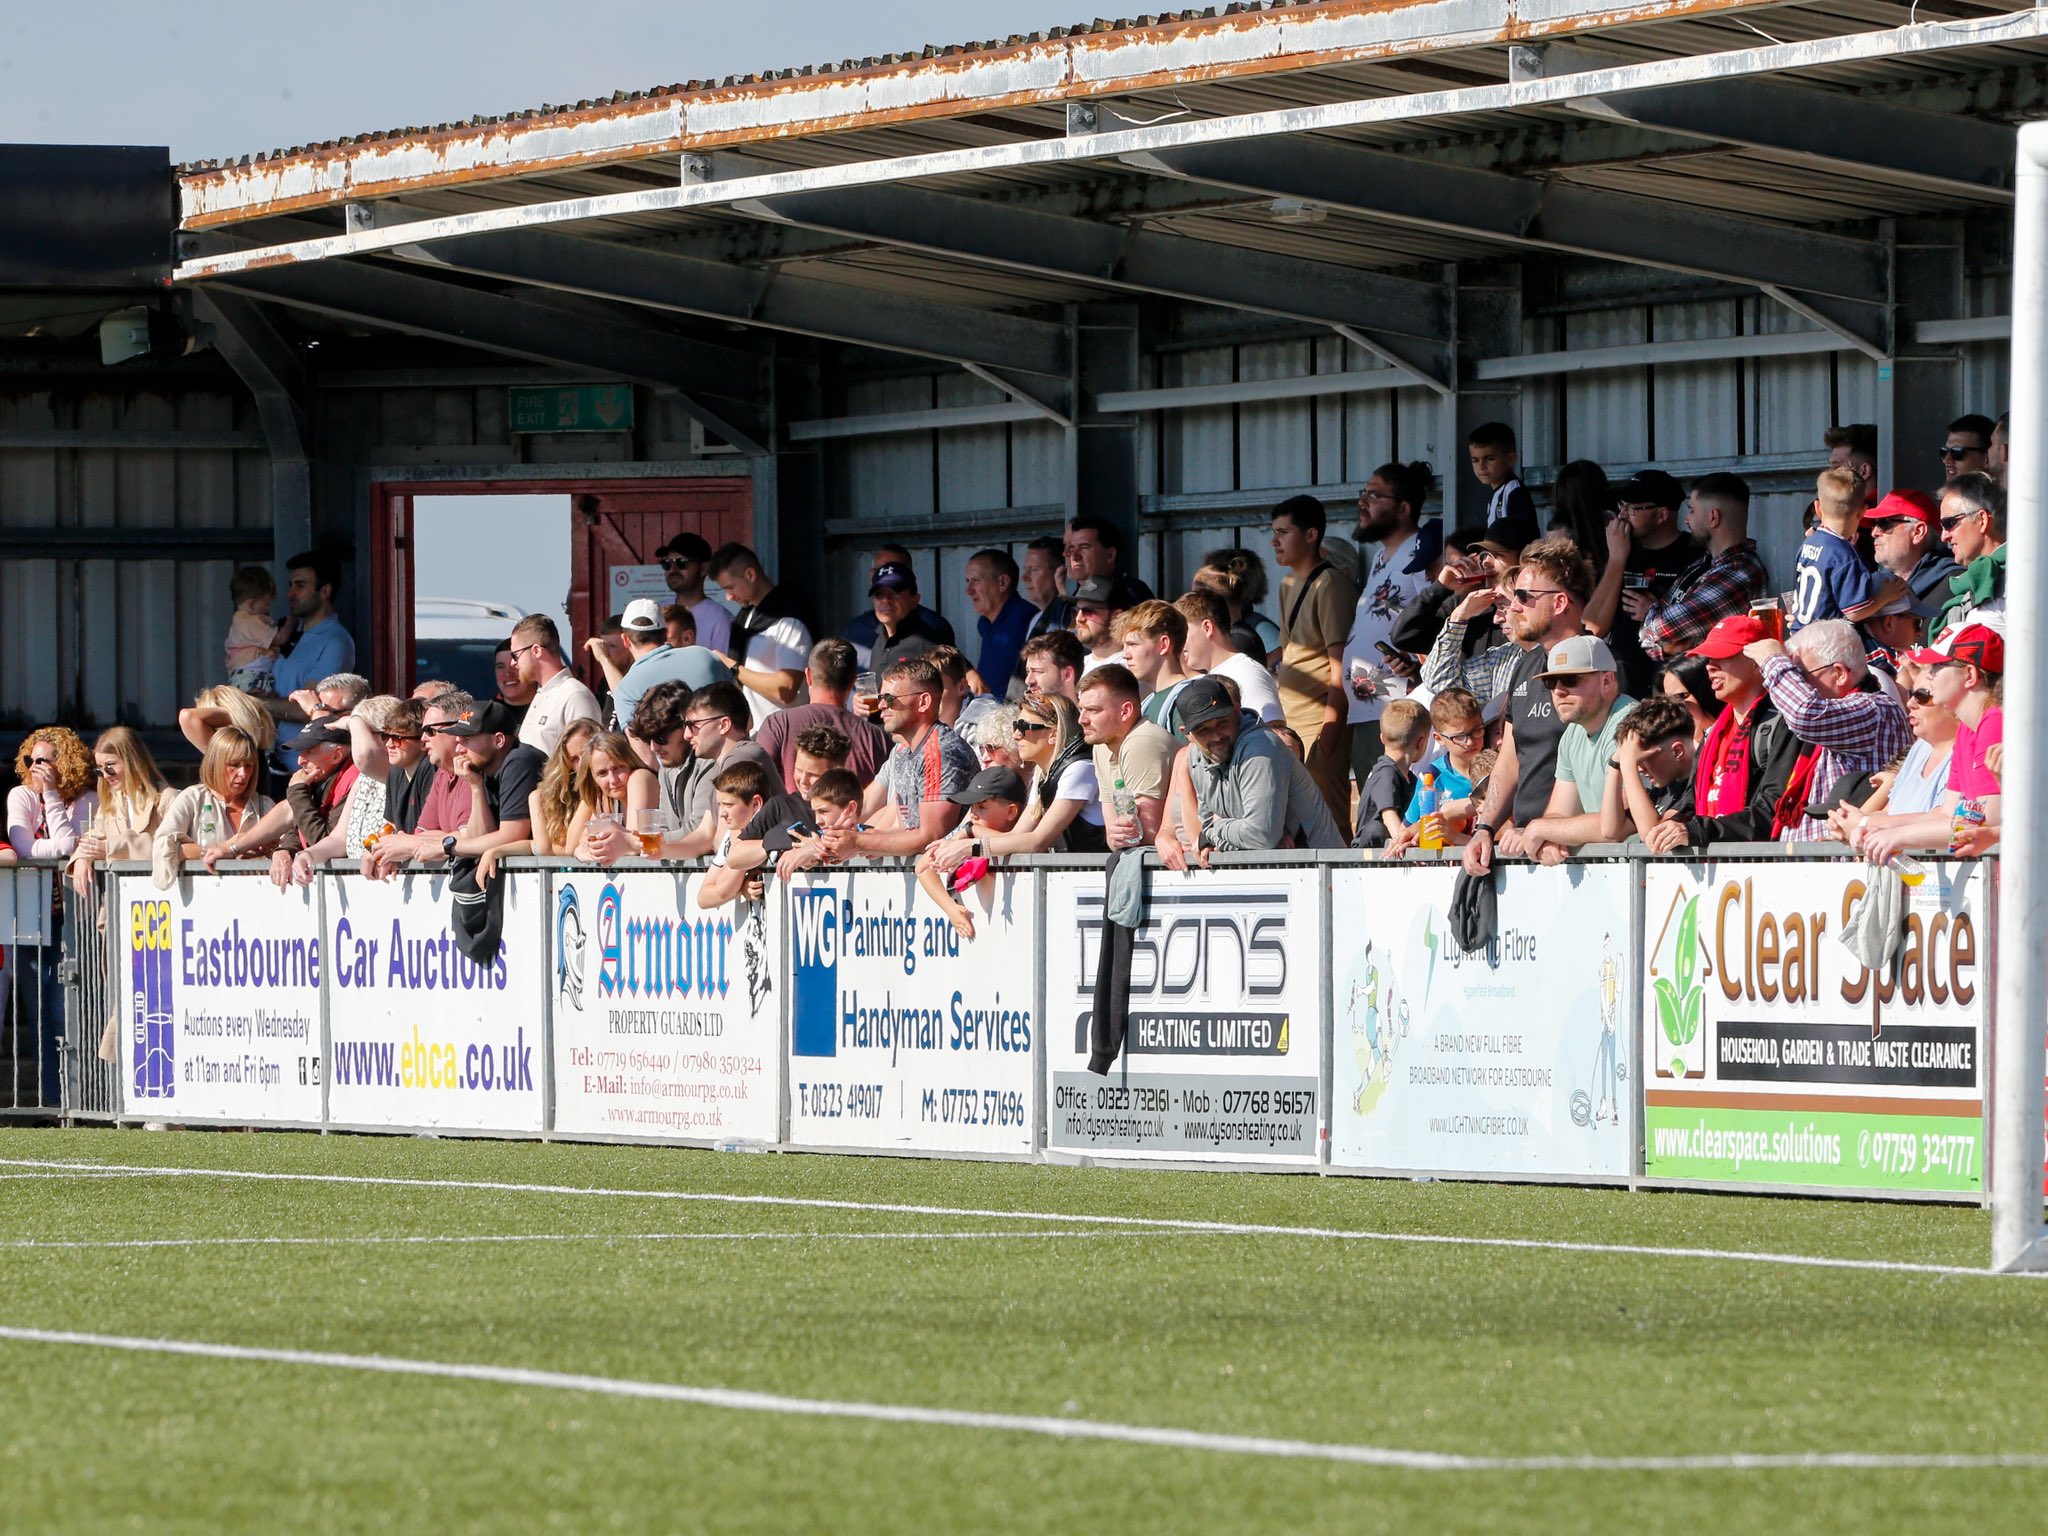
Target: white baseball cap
<point>642,614</point>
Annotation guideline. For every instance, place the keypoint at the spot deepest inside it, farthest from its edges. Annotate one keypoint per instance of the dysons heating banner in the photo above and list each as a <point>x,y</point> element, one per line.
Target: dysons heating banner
<point>1222,1056</point>
<point>903,1033</point>
<point>221,1007</point>
<point>665,1015</point>
<point>422,1035</point>
<point>1774,1057</point>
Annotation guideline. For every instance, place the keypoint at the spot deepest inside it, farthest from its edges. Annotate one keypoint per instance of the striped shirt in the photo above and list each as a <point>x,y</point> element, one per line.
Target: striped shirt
<point>1856,733</point>
<point>935,766</point>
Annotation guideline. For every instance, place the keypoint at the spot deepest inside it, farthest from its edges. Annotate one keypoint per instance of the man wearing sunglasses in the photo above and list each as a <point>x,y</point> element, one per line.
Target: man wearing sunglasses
<point>1546,608</point>
<point>1905,535</point>
<point>713,733</point>
<point>929,766</point>
<point>685,562</point>
<point>1973,524</point>
<point>1585,690</point>
<point>446,808</point>
<point>1964,450</point>
<point>1820,683</point>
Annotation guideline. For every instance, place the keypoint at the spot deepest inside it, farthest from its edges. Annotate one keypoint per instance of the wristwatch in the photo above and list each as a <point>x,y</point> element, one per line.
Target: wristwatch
<point>1481,826</point>
<point>448,846</point>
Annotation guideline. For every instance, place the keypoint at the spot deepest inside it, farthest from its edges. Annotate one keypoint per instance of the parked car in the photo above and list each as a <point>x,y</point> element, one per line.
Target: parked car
<point>456,639</point>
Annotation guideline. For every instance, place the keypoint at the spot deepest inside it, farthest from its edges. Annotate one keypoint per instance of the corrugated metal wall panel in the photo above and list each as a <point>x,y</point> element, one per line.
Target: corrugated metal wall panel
<point>1275,437</point>
<point>1038,463</point>
<point>1791,398</point>
<point>1369,423</point>
<point>1606,415</point>
<point>101,641</point>
<point>1696,406</point>
<point>1540,426</point>
<point>1776,523</point>
<point>890,478</point>
<point>974,467</point>
<point>1199,448</point>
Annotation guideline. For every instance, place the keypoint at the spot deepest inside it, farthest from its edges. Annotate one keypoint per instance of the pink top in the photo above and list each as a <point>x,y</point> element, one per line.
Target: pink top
<point>44,827</point>
<point>1967,775</point>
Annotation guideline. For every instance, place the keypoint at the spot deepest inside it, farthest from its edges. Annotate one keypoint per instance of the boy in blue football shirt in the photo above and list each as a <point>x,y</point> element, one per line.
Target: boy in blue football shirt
<point>1833,581</point>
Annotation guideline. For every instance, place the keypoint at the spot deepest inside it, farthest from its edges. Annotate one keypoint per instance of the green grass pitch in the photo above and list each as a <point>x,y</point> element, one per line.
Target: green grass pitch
<point>1482,1351</point>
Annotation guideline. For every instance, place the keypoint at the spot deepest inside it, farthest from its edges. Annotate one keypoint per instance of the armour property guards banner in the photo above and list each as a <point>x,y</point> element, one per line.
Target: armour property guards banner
<point>1773,1057</point>
<point>218,988</point>
<point>1223,1056</point>
<point>904,1034</point>
<point>667,1017</point>
<point>421,1035</point>
<point>1512,1059</point>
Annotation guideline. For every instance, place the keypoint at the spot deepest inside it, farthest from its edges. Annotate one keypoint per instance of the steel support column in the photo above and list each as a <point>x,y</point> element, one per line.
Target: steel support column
<point>275,377</point>
<point>1920,386</point>
<point>1102,448</point>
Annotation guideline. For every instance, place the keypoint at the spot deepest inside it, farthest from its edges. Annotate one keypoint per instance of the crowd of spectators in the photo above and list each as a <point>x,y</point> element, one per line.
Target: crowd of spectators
<point>1632,670</point>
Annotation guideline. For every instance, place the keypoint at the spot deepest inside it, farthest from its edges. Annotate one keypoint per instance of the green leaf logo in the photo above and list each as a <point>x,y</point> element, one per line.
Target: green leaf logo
<point>1681,998</point>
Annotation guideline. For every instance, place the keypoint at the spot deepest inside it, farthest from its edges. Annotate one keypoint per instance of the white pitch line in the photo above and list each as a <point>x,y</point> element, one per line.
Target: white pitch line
<point>555,1237</point>
<point>1024,1424</point>
<point>1136,1223</point>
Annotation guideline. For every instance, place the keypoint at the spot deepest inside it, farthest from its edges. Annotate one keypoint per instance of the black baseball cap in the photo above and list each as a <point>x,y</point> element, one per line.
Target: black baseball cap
<point>321,733</point>
<point>686,546</point>
<point>892,576</point>
<point>991,784</point>
<point>1203,700</point>
<point>494,718</point>
<point>1651,486</point>
<point>1097,592</point>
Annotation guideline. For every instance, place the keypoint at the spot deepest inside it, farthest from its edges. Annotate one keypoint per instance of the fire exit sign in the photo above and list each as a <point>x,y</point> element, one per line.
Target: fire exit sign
<point>572,408</point>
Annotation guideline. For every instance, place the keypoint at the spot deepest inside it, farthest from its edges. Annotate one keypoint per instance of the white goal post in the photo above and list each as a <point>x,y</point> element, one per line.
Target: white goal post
<point>2020,1003</point>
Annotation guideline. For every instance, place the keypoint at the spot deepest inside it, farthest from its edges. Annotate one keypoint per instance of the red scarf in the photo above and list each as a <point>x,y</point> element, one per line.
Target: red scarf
<point>1790,811</point>
<point>1721,787</point>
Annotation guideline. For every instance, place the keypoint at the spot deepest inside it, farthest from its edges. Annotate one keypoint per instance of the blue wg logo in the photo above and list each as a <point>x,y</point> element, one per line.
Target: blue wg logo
<point>814,988</point>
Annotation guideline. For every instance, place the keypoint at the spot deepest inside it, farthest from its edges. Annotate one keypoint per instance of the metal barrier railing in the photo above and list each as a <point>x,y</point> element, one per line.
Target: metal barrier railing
<point>49,1066</point>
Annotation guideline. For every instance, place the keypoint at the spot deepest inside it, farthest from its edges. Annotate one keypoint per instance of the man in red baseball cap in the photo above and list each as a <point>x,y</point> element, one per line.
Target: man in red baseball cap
<point>1906,537</point>
<point>1746,760</point>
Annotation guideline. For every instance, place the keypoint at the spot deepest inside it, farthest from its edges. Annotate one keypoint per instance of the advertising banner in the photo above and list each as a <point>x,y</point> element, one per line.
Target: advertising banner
<point>422,1035</point>
<point>666,1022</point>
<point>1222,1056</point>
<point>1773,1057</point>
<point>220,994</point>
<point>903,1033</point>
<point>1508,1059</point>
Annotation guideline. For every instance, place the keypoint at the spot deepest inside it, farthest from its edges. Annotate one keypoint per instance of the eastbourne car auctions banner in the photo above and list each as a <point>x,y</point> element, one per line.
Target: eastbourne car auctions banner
<point>1774,1057</point>
<point>904,1034</point>
<point>1512,1058</point>
<point>421,1034</point>
<point>666,1019</point>
<point>221,1001</point>
<point>1222,1052</point>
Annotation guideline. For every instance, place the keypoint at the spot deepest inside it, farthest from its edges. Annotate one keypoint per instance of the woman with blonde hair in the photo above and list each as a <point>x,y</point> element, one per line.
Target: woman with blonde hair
<point>133,800</point>
<point>223,810</point>
<point>220,706</point>
<point>1064,811</point>
<point>48,812</point>
<point>613,782</point>
<point>555,803</point>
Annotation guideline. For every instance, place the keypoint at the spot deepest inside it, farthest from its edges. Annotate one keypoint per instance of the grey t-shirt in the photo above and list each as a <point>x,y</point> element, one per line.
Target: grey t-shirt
<point>936,767</point>
<point>700,793</point>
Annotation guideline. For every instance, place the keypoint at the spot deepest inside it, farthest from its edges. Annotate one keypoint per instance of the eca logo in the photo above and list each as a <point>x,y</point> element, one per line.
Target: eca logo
<point>814,982</point>
<point>152,1039</point>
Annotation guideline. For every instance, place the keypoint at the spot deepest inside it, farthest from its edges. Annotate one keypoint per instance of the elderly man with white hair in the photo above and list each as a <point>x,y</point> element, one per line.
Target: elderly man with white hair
<point>1818,685</point>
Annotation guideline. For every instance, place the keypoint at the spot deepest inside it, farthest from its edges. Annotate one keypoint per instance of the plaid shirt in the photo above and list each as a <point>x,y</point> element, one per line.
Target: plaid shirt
<point>1857,733</point>
<point>1710,589</point>
<point>1486,674</point>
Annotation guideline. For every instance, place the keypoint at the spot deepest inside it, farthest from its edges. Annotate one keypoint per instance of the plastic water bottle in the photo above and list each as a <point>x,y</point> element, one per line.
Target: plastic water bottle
<point>741,1144</point>
<point>209,824</point>
<point>1125,802</point>
<point>1430,823</point>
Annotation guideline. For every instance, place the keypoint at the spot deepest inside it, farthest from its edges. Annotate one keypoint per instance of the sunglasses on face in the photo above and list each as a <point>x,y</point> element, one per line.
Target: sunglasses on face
<point>1922,696</point>
<point>1956,453</point>
<point>1027,728</point>
<point>692,727</point>
<point>673,564</point>
<point>390,736</point>
<point>1525,597</point>
<point>1948,523</point>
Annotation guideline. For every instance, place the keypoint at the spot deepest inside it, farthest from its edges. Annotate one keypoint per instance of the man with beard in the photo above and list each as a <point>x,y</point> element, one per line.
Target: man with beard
<point>1389,513</point>
<point>1095,611</point>
<point>1546,607</point>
